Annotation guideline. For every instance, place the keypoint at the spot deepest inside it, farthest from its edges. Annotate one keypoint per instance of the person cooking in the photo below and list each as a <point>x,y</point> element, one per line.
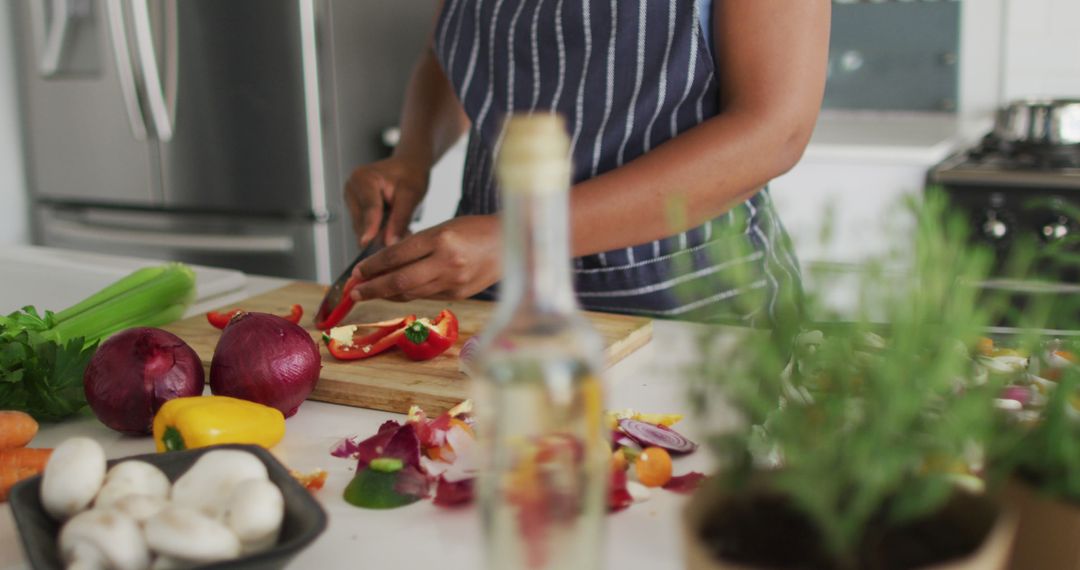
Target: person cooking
<point>684,106</point>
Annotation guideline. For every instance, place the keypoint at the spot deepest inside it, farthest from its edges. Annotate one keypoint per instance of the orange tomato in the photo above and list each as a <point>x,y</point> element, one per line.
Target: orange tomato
<point>653,467</point>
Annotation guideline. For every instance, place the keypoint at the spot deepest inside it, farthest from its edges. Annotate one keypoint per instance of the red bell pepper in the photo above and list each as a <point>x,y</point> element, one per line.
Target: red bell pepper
<point>423,340</point>
<point>384,337</point>
<point>342,309</point>
<point>221,319</point>
<point>295,314</point>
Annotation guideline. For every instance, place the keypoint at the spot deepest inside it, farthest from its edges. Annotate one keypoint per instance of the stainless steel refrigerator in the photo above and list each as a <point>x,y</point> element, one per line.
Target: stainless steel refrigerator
<point>217,132</point>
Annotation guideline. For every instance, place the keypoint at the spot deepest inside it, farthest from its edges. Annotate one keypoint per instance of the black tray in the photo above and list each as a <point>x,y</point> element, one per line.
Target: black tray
<point>304,517</point>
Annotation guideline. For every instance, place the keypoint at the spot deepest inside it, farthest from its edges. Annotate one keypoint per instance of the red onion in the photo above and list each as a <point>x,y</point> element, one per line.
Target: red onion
<point>136,371</point>
<point>648,435</point>
<point>266,359</point>
<point>1018,393</point>
<point>468,354</point>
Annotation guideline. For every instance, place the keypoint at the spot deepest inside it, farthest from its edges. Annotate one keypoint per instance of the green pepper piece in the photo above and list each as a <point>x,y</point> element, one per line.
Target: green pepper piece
<point>374,489</point>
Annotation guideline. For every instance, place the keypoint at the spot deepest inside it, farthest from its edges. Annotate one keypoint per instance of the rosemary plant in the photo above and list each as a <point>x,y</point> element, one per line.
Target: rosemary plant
<point>868,423</point>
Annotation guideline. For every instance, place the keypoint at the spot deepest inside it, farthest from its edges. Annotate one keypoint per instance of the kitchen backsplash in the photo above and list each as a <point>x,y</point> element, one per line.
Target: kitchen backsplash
<point>894,56</point>
<point>1041,48</point>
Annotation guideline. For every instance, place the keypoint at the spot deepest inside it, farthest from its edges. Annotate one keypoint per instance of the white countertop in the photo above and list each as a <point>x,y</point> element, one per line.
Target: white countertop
<point>646,536</point>
<point>891,137</point>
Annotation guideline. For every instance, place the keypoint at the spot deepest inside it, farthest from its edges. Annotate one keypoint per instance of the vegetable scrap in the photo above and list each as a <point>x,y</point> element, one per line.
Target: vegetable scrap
<point>1030,378</point>
<point>419,339</point>
<point>221,319</point>
<point>656,435</point>
<point>439,458</point>
<point>468,355</point>
<point>402,462</point>
<point>202,421</point>
<point>643,444</point>
<point>312,481</point>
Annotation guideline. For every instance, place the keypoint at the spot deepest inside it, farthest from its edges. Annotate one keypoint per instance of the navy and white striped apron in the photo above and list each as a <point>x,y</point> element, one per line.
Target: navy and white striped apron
<point>628,76</point>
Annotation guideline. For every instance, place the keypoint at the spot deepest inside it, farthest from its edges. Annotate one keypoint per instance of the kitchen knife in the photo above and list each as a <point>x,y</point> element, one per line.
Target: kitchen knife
<point>336,294</point>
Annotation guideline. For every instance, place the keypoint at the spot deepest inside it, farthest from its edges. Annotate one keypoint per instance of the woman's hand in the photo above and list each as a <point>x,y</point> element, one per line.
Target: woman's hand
<point>454,260</point>
<point>392,187</point>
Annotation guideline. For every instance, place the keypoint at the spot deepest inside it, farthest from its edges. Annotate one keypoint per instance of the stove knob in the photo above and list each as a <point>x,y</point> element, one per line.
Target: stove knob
<point>1056,230</point>
<point>994,228</point>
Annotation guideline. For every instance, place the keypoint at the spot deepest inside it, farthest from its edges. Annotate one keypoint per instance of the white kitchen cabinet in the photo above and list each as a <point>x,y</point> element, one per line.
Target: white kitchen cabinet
<point>854,178</point>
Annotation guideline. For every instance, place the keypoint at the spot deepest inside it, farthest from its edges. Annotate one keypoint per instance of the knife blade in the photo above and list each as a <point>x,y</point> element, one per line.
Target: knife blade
<point>337,291</point>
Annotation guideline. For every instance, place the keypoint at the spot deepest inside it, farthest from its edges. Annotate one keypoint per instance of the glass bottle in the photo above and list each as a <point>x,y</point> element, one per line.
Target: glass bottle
<point>538,392</point>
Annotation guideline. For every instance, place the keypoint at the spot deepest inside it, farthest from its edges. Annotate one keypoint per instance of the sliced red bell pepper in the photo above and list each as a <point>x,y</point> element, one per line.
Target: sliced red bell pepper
<point>344,306</point>
<point>423,341</point>
<point>221,319</point>
<point>295,314</point>
<point>379,341</point>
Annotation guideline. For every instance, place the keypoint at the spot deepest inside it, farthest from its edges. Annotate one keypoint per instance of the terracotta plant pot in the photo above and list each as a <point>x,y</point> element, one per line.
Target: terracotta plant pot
<point>993,553</point>
<point>1048,534</point>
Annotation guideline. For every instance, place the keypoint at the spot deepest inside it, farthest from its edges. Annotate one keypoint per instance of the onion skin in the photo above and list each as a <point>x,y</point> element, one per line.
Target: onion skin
<point>266,359</point>
<point>136,371</point>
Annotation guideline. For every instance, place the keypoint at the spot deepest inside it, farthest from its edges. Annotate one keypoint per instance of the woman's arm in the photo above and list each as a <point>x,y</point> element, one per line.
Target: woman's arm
<point>432,118</point>
<point>431,121</point>
<point>772,56</point>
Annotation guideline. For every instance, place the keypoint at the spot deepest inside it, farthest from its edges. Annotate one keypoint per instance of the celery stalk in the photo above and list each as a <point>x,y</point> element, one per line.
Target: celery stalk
<point>166,316</point>
<point>135,279</point>
<point>136,300</point>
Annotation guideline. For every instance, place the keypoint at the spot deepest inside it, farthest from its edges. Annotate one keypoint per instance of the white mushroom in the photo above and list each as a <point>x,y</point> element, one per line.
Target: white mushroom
<point>190,536</point>
<point>208,484</point>
<point>103,539</point>
<point>132,478</point>
<point>256,510</point>
<point>140,507</point>
<point>72,477</point>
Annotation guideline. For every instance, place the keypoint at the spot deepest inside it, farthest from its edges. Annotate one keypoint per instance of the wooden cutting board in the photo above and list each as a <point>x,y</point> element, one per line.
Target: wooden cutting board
<point>390,381</point>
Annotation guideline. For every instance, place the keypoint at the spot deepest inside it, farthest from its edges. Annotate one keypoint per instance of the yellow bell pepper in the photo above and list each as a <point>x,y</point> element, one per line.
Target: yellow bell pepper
<point>201,421</point>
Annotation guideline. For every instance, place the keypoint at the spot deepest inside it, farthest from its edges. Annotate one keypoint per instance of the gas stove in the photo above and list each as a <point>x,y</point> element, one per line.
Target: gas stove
<point>995,163</point>
<point>1015,193</point>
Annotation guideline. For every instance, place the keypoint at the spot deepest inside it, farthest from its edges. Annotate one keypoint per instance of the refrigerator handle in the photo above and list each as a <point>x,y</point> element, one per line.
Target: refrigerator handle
<point>207,243</point>
<point>125,70</point>
<point>155,91</point>
<point>51,35</point>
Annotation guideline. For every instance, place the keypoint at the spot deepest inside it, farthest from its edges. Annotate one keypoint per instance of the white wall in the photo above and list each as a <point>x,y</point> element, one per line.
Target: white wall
<point>13,207</point>
<point>1042,48</point>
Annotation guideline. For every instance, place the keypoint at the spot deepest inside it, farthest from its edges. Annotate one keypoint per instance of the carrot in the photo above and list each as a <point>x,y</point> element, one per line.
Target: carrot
<point>20,463</point>
<point>16,429</point>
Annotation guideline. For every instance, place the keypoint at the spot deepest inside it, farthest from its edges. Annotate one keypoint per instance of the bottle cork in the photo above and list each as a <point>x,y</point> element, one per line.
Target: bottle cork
<point>535,154</point>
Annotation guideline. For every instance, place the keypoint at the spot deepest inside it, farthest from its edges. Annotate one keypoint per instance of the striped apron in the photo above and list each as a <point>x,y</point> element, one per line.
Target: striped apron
<point>628,75</point>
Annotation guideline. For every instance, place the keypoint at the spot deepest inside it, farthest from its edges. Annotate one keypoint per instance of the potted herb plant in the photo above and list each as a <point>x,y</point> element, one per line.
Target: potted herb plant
<point>857,445</point>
